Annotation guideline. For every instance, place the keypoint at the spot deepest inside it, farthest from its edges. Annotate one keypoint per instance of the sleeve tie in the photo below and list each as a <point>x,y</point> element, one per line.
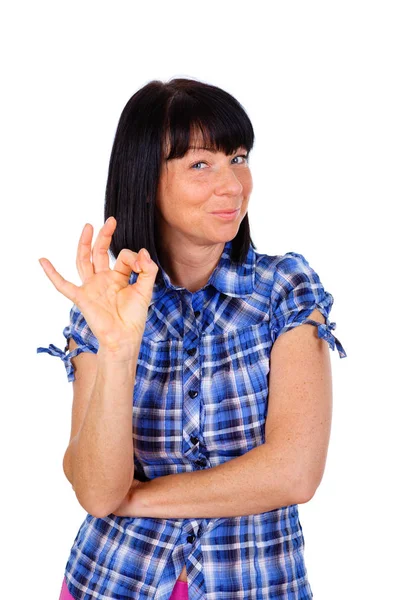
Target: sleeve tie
<point>325,333</point>
<point>65,357</point>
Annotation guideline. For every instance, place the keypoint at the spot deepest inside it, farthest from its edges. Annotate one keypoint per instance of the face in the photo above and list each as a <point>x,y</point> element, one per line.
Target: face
<point>192,188</point>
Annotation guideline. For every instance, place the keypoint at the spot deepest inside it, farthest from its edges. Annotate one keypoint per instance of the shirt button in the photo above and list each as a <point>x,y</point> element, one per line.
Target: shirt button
<point>194,439</point>
<point>196,313</point>
<point>190,538</point>
<point>191,351</point>
<point>193,393</point>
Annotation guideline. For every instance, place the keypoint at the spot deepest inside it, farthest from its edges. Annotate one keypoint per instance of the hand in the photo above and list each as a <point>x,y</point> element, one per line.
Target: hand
<point>115,310</point>
<point>127,506</point>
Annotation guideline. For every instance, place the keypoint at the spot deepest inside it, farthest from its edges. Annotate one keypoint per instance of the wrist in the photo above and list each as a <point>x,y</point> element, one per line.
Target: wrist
<point>120,354</point>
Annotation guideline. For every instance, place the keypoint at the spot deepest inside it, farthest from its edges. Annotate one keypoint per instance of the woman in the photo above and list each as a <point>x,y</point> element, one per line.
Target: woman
<point>177,359</point>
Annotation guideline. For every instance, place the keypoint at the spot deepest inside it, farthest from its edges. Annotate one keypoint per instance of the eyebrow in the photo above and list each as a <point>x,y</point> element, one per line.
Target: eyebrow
<point>208,149</point>
<point>203,148</point>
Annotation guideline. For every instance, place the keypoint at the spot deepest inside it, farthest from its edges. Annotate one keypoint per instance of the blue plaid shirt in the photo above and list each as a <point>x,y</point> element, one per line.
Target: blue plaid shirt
<point>200,399</point>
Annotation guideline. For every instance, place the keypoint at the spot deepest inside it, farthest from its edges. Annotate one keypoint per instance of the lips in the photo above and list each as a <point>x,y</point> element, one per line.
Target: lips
<point>225,212</point>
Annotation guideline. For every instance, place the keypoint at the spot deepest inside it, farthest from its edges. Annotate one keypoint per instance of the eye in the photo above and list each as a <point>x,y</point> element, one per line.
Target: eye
<point>198,163</point>
<point>245,156</point>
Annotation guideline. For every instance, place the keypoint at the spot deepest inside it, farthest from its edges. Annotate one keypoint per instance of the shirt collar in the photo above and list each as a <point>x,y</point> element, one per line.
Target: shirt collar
<point>228,278</point>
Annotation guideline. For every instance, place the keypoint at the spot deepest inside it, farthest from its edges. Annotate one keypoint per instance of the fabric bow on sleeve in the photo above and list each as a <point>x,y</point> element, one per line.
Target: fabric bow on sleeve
<point>65,357</point>
<point>325,332</point>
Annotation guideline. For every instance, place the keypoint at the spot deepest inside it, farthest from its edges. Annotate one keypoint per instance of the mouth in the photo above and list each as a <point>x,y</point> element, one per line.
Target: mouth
<point>230,215</point>
<point>226,212</point>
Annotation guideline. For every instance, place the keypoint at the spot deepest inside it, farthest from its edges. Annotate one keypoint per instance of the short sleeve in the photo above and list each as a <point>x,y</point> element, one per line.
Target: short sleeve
<point>80,331</point>
<point>296,292</point>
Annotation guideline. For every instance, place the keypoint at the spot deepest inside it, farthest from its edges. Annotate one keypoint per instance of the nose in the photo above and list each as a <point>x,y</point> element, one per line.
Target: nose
<point>228,183</point>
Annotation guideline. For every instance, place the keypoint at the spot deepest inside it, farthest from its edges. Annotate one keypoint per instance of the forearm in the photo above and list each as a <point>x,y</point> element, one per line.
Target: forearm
<point>102,466</point>
<point>258,481</point>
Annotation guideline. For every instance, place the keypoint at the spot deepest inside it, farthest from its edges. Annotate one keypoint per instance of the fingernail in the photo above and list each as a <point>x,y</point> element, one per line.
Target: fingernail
<point>146,255</point>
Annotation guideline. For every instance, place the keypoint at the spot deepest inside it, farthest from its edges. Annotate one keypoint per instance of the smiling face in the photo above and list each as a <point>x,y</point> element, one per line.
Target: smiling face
<point>191,188</point>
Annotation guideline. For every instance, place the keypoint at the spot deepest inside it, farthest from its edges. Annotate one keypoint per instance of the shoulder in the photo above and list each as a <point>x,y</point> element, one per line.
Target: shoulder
<point>275,271</point>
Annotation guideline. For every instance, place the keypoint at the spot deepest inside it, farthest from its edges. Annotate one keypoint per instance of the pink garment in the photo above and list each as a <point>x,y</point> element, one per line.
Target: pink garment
<point>65,595</point>
<point>180,591</point>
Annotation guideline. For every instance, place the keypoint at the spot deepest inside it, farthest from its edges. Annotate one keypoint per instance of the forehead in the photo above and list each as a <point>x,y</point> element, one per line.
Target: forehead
<point>197,143</point>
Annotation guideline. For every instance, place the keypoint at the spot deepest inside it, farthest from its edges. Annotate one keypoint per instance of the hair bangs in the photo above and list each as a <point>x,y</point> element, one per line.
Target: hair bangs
<point>215,121</point>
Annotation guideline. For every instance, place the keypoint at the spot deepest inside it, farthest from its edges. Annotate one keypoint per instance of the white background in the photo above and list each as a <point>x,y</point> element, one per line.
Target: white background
<point>320,82</point>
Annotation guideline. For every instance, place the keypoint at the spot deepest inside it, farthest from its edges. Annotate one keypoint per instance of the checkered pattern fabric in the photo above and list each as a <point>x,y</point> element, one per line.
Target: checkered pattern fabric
<point>200,399</point>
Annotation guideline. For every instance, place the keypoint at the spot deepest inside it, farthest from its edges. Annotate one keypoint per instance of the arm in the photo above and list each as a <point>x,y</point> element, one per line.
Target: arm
<point>285,470</point>
<point>99,459</point>
<point>248,484</point>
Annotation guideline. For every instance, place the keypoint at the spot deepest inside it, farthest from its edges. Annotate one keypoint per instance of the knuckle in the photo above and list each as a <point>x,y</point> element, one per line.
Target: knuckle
<point>125,251</point>
<point>127,254</point>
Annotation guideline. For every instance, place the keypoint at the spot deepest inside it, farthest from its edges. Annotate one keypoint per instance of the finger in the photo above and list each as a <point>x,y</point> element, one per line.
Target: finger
<point>67,289</point>
<point>102,244</point>
<point>138,262</point>
<point>84,252</point>
<point>125,262</point>
<point>145,265</point>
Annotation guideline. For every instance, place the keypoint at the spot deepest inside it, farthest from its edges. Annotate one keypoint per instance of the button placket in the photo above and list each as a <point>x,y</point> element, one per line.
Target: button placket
<point>190,379</point>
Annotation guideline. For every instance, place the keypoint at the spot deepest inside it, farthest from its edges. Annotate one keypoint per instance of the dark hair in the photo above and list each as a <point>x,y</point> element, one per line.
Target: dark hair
<point>157,116</point>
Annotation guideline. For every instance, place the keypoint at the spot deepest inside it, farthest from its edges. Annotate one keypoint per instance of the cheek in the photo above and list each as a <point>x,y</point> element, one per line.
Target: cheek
<point>185,204</point>
<point>195,193</point>
<point>247,183</point>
